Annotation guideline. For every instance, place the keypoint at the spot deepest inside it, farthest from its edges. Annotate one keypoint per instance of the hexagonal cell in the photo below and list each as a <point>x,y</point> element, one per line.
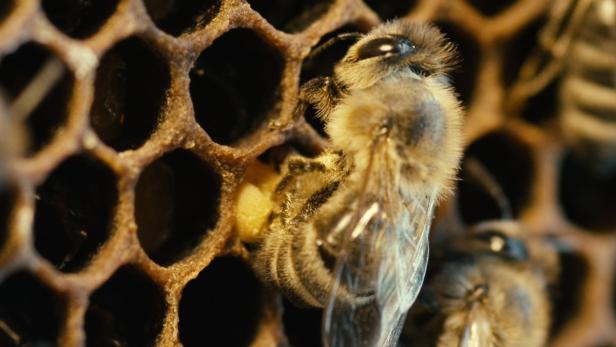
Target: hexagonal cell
<point>389,9</point>
<point>235,85</point>
<point>79,18</point>
<point>128,310</point>
<point>7,201</point>
<point>322,64</point>
<point>490,7</point>
<point>508,162</point>
<point>20,68</point>
<point>567,293</point>
<point>222,306</point>
<point>465,74</point>
<point>30,313</point>
<point>587,199</point>
<point>302,326</point>
<point>291,16</point>
<point>74,210</point>
<point>176,204</point>
<point>182,16</point>
<point>131,82</point>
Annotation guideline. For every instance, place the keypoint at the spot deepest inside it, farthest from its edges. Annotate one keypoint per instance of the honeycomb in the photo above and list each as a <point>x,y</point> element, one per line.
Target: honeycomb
<point>117,193</point>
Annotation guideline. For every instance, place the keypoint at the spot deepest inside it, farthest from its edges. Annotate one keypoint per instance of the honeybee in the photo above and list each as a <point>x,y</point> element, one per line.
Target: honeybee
<point>487,287</point>
<point>578,44</point>
<point>349,229</point>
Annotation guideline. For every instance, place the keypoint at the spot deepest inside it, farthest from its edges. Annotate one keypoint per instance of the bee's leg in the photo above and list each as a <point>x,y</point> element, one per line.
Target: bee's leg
<point>323,93</point>
<point>325,165</point>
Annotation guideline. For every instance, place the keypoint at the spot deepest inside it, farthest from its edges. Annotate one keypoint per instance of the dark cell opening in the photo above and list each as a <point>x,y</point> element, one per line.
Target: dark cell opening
<point>234,85</point>
<point>131,82</point>
<point>490,7</point>
<point>17,70</point>
<point>322,64</point>
<point>221,306</point>
<point>74,211</point>
<point>389,9</point>
<point>176,203</point>
<point>291,16</point>
<point>79,18</point>
<point>524,45</point>
<point>182,16</point>
<point>30,313</point>
<point>567,293</point>
<point>7,201</point>
<point>128,310</point>
<point>302,326</point>
<point>588,200</point>
<point>508,161</point>
<point>5,9</point>
<point>542,107</point>
<point>465,73</point>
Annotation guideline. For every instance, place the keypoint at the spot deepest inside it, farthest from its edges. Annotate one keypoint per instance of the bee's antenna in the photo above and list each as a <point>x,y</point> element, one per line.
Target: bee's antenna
<point>480,174</point>
<point>327,44</point>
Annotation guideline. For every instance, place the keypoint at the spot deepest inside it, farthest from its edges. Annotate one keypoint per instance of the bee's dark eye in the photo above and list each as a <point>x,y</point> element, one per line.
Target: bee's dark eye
<point>385,46</point>
<point>503,245</point>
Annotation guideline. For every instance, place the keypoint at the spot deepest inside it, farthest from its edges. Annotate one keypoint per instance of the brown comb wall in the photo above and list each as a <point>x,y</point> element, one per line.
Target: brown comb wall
<point>116,218</point>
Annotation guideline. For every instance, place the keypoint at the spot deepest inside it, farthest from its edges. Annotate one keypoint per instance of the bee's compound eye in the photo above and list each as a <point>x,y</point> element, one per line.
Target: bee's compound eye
<point>500,243</point>
<point>385,46</point>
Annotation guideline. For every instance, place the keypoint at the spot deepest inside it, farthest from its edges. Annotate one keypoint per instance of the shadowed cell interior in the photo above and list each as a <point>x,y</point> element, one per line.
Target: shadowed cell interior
<point>234,85</point>
<point>133,318</point>
<point>130,87</point>
<point>182,16</point>
<point>176,204</point>
<point>291,16</point>
<point>30,313</point>
<point>79,18</point>
<point>74,211</point>
<point>222,306</point>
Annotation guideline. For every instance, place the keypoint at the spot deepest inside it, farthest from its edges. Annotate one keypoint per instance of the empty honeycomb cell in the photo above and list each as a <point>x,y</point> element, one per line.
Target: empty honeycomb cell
<point>465,74</point>
<point>389,9</point>
<point>566,294</point>
<point>7,200</point>
<point>30,313</point>
<point>74,210</point>
<point>17,70</point>
<point>221,306</point>
<point>302,326</point>
<point>179,16</point>
<point>234,85</point>
<point>176,204</point>
<point>291,16</point>
<point>587,199</point>
<point>322,64</point>
<point>79,18</point>
<point>130,87</point>
<point>508,161</point>
<point>490,7</point>
<point>128,310</point>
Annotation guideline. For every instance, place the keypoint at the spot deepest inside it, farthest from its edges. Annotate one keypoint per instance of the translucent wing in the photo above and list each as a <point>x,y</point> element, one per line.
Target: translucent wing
<point>382,262</point>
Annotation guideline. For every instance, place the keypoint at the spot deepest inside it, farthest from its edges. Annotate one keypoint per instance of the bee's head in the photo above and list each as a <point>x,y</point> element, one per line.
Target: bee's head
<point>395,49</point>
